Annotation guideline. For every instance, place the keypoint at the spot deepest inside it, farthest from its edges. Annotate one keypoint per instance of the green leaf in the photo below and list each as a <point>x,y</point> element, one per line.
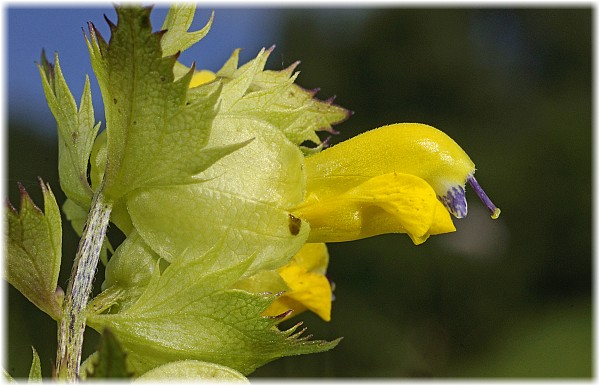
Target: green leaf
<point>35,373</point>
<point>155,131</point>
<point>34,245</point>
<point>178,21</point>
<point>191,370</point>
<point>110,360</point>
<point>189,311</point>
<point>243,199</point>
<point>76,130</point>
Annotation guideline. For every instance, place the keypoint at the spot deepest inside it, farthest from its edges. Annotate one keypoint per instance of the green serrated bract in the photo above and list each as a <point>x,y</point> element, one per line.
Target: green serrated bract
<point>189,312</point>
<point>34,247</point>
<point>155,132</point>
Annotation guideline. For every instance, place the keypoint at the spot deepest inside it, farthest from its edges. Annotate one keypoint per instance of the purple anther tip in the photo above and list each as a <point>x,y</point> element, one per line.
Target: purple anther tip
<point>494,210</point>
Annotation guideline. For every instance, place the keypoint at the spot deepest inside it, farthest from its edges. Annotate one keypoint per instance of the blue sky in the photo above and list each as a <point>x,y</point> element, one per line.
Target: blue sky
<point>59,29</point>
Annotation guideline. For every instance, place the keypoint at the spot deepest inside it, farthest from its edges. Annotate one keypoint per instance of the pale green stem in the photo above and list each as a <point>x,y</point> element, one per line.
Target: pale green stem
<point>72,325</point>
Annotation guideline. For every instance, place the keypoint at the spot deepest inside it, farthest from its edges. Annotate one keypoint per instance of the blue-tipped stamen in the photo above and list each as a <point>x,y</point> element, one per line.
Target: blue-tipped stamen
<point>494,210</point>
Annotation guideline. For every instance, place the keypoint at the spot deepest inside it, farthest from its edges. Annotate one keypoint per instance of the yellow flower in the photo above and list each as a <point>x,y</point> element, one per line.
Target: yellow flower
<point>400,178</point>
<point>394,179</point>
<point>308,288</point>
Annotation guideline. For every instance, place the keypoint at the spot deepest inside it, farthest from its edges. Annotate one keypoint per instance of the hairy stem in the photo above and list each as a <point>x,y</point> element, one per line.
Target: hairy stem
<point>72,325</point>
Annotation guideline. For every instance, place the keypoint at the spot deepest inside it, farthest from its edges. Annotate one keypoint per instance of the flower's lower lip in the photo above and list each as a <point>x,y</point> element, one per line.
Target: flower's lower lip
<point>455,201</point>
<point>494,210</point>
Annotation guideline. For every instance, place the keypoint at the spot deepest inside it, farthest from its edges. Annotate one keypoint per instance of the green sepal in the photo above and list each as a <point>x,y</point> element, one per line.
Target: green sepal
<point>243,198</point>
<point>189,311</point>
<point>178,21</point>
<point>35,372</point>
<point>109,361</point>
<point>191,370</point>
<point>155,132</point>
<point>76,130</point>
<point>34,247</point>
<point>120,214</point>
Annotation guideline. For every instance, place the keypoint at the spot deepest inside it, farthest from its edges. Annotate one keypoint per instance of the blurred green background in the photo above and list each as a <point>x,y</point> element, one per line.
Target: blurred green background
<point>510,298</point>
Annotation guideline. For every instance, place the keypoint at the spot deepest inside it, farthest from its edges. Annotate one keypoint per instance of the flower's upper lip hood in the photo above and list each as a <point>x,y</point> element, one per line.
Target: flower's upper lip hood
<point>410,148</point>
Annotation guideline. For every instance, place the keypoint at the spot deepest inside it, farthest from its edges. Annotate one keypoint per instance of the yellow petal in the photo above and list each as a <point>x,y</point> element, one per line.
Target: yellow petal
<point>389,203</point>
<point>201,77</point>
<point>313,257</point>
<point>308,286</point>
<point>442,223</point>
<point>310,290</point>
<point>408,148</point>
